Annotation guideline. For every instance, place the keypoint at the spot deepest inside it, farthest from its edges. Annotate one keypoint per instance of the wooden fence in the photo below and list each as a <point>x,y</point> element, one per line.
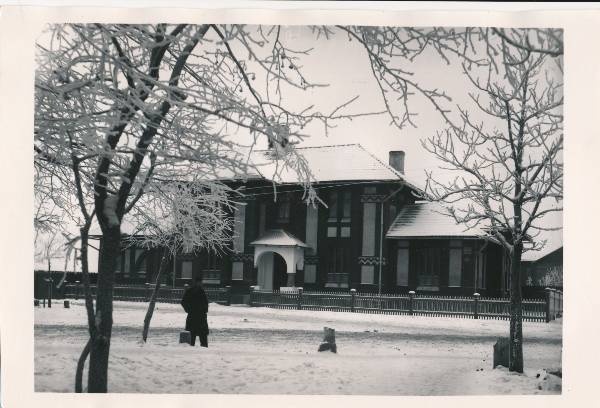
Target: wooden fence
<point>474,307</point>
<point>142,293</point>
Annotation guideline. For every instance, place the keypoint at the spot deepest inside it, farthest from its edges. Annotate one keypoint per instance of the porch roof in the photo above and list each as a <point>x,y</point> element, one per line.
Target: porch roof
<point>427,220</point>
<point>278,237</point>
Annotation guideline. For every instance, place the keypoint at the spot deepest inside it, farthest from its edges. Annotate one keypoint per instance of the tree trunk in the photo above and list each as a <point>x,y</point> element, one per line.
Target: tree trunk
<point>150,311</point>
<point>516,312</point>
<point>80,365</point>
<point>49,284</point>
<point>89,304</point>
<point>110,247</point>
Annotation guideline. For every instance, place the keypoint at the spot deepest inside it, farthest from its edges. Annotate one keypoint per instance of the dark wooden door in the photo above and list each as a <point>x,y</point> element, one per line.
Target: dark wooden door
<point>279,272</point>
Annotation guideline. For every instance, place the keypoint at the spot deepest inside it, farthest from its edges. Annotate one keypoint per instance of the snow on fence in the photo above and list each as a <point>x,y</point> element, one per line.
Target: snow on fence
<point>474,307</point>
<point>142,293</point>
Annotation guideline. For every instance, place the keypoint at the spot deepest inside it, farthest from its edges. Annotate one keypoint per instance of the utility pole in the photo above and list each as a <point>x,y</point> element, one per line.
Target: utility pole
<point>392,194</point>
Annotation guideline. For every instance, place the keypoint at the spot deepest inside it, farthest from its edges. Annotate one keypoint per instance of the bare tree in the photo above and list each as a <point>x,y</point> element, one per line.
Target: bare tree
<point>118,104</point>
<point>181,217</point>
<point>48,250</point>
<point>509,165</point>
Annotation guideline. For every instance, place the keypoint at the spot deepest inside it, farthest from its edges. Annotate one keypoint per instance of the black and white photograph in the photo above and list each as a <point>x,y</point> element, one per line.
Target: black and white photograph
<point>298,203</point>
<point>272,209</point>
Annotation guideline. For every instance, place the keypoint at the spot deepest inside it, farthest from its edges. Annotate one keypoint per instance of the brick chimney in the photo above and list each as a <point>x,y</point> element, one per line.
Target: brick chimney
<point>397,160</point>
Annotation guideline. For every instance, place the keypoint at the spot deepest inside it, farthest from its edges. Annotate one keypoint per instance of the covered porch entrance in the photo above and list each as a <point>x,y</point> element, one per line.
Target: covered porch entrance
<point>278,255</point>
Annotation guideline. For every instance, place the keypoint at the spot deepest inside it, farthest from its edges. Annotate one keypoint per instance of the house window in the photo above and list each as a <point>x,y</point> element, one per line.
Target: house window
<point>118,267</point>
<point>310,273</point>
<point>481,260</point>
<point>428,263</point>
<point>338,222</point>
<point>455,263</point>
<point>210,270</point>
<point>367,274</point>
<point>468,267</point>
<point>127,263</point>
<point>337,275</point>
<point>347,207</point>
<point>283,211</point>
<point>402,263</point>
<point>237,271</point>
<point>139,261</point>
<point>333,198</point>
<point>187,269</point>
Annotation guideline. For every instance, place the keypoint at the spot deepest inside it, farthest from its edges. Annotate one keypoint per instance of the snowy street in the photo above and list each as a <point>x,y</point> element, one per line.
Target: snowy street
<point>267,351</point>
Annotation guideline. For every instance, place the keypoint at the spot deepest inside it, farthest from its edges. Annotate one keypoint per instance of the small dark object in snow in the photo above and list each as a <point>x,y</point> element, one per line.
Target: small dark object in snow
<point>36,302</point>
<point>537,375</point>
<point>67,304</point>
<point>328,340</point>
<point>557,372</point>
<point>245,320</point>
<point>375,331</point>
<point>501,352</point>
<point>185,337</point>
<point>328,347</point>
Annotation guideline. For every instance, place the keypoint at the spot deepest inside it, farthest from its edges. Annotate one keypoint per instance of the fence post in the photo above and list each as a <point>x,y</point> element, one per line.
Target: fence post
<point>547,290</point>
<point>49,291</point>
<point>228,295</point>
<point>147,292</point>
<point>76,290</point>
<point>411,296</point>
<point>300,291</point>
<point>560,303</point>
<point>251,293</point>
<point>352,300</point>
<point>554,304</point>
<point>476,305</point>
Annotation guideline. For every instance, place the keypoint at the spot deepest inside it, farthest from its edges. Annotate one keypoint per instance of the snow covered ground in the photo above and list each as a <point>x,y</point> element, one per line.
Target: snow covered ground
<point>268,351</point>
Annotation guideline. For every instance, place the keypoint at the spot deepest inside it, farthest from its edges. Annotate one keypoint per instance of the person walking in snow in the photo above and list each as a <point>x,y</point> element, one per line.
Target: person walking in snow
<point>195,304</point>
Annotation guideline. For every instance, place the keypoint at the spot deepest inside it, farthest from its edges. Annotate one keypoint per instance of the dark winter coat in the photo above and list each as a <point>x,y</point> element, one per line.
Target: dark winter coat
<point>195,304</point>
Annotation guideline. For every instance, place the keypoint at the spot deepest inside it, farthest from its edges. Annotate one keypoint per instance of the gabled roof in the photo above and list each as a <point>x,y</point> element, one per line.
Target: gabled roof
<point>427,220</point>
<point>328,163</point>
<point>278,237</point>
<point>335,163</point>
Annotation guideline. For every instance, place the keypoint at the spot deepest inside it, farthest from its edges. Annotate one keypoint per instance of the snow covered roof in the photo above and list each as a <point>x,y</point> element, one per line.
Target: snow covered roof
<point>349,162</point>
<point>427,220</point>
<point>278,237</point>
<point>532,256</point>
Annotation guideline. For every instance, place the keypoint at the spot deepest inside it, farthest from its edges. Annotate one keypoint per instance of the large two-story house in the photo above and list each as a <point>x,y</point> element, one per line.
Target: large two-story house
<point>373,232</point>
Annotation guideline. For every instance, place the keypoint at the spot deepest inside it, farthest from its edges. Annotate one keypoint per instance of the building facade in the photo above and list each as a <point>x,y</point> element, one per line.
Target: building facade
<point>369,232</point>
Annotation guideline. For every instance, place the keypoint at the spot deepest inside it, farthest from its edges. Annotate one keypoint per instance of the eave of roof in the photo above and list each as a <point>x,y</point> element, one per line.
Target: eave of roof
<point>426,220</point>
<point>278,237</point>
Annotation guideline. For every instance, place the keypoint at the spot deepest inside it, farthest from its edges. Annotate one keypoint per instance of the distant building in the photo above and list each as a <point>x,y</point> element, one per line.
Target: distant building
<point>373,226</point>
<point>544,268</point>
